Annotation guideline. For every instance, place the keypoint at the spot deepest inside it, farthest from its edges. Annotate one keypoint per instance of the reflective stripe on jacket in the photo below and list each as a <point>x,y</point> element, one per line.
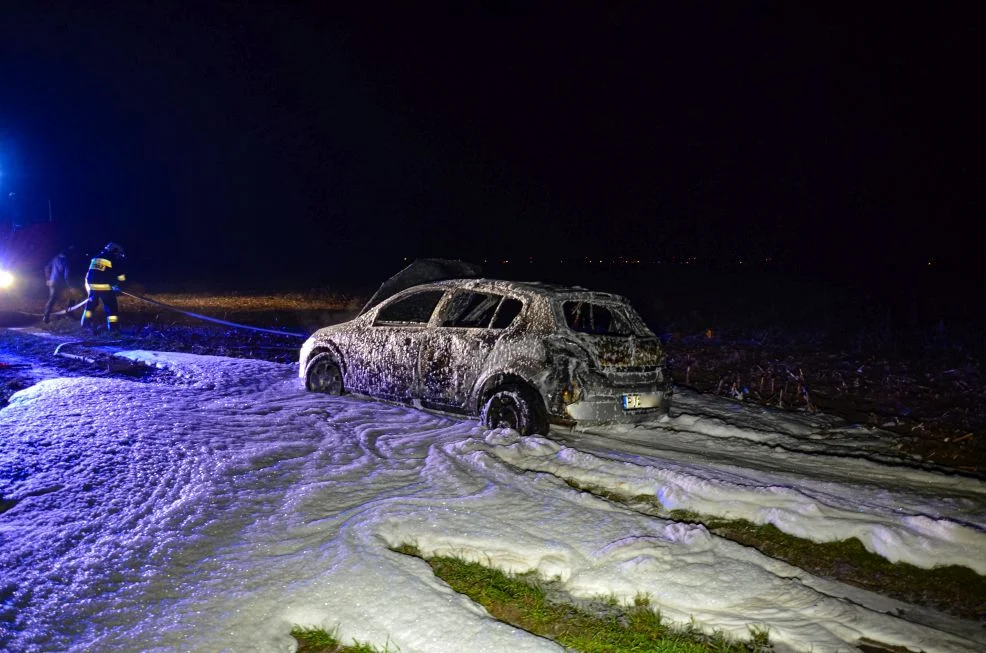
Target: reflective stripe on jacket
<point>104,273</point>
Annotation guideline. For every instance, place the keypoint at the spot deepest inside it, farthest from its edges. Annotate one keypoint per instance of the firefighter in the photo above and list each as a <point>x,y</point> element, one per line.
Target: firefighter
<point>56,278</point>
<point>103,283</point>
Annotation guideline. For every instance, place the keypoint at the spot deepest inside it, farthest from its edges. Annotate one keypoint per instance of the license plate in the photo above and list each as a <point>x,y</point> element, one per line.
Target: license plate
<point>638,401</point>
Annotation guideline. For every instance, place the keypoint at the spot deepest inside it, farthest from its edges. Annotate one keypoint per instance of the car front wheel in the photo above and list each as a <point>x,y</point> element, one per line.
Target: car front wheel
<point>323,375</point>
<point>517,409</point>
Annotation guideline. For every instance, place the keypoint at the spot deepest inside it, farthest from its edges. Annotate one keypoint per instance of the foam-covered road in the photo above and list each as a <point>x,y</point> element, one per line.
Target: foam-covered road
<point>215,511</point>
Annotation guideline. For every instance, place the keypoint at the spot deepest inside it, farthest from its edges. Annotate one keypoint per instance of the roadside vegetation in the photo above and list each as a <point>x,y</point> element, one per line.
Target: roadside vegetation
<point>909,360</point>
<point>605,626</point>
<point>951,589</point>
<point>317,640</point>
<point>526,602</point>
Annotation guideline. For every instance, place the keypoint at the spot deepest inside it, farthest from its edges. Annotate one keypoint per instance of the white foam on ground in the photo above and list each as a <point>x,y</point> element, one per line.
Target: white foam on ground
<point>215,514</point>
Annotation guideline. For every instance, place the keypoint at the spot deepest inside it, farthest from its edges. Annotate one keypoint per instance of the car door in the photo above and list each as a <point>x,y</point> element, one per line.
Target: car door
<point>457,347</point>
<point>386,358</point>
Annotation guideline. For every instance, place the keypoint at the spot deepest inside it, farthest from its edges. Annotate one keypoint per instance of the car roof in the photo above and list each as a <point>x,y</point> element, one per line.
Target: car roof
<point>530,288</point>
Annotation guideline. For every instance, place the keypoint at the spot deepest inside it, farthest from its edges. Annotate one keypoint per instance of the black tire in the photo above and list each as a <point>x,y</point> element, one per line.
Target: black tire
<point>517,408</point>
<point>323,375</point>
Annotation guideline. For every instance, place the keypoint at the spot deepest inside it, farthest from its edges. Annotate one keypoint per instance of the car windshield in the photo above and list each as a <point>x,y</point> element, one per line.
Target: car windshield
<point>598,319</point>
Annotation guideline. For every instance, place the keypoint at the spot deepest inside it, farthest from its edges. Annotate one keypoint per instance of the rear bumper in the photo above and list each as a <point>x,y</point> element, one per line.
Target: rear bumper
<point>610,408</point>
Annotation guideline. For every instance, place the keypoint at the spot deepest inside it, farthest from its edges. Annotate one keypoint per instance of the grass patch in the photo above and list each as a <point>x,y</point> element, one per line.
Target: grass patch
<point>317,640</point>
<point>522,601</point>
<point>952,589</point>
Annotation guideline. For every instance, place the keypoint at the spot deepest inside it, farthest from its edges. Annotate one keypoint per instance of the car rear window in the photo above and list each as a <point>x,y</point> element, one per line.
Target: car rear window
<point>413,309</point>
<point>586,317</point>
<point>475,310</point>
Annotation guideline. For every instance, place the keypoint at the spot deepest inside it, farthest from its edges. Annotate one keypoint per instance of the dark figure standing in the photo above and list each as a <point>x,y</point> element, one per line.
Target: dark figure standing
<point>56,277</point>
<point>103,283</point>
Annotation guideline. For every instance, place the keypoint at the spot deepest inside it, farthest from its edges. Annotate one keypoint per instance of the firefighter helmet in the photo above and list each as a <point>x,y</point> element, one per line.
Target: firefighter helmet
<point>114,248</point>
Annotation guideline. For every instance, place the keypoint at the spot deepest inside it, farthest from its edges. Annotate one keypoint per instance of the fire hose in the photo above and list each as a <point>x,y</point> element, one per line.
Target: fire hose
<point>64,311</point>
<point>183,312</point>
<point>213,319</point>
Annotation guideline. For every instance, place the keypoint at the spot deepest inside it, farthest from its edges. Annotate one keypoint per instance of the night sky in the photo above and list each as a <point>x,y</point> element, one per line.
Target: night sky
<point>303,144</point>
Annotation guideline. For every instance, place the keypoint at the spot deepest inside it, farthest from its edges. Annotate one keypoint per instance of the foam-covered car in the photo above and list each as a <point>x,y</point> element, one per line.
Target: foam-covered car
<point>517,355</point>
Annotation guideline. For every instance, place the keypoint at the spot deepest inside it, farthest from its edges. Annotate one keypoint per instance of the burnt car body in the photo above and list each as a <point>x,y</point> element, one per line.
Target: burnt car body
<point>518,355</point>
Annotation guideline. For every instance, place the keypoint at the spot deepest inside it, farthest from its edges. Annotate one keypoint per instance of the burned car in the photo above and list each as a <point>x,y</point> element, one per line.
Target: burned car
<point>518,355</point>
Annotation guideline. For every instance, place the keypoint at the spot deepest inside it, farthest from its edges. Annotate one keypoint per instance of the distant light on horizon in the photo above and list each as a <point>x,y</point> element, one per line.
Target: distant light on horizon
<point>634,261</point>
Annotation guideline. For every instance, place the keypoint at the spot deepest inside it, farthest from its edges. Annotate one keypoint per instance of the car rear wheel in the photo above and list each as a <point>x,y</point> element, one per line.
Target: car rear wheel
<point>517,409</point>
<point>323,375</point>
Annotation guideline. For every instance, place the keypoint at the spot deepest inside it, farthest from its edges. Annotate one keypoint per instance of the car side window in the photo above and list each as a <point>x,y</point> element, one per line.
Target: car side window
<point>470,310</point>
<point>414,309</point>
<point>509,309</point>
<point>595,318</point>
